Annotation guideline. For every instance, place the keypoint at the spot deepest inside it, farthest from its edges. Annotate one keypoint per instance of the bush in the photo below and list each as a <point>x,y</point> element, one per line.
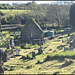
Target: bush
<point>1,13</point>
<point>4,21</point>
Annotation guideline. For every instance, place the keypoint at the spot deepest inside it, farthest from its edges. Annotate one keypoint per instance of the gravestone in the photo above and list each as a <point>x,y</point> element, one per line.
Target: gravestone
<point>0,54</point>
<point>1,37</point>
<point>6,39</point>
<point>33,54</point>
<point>62,41</point>
<point>8,54</point>
<point>40,51</point>
<point>70,39</point>
<point>65,48</point>
<point>17,52</point>
<point>1,68</point>
<point>5,57</point>
<point>12,44</point>
<point>72,36</point>
<point>73,44</point>
<point>68,34</point>
<point>12,51</point>
<point>71,48</point>
<point>8,47</point>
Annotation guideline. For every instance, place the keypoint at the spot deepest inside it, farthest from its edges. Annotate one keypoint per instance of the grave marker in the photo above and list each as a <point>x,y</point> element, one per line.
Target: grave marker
<point>65,48</point>
<point>12,51</point>
<point>33,54</point>
<point>17,51</point>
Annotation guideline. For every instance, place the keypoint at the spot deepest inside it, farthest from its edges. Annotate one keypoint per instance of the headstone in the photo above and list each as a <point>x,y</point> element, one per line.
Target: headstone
<point>1,68</point>
<point>12,51</point>
<point>5,57</point>
<point>6,39</point>
<point>65,48</point>
<point>13,44</point>
<point>0,54</point>
<point>62,41</point>
<point>70,39</point>
<point>72,36</point>
<point>68,34</point>
<point>1,37</point>
<point>17,51</point>
<point>73,43</point>
<point>71,48</point>
<point>39,51</point>
<point>10,40</point>
<point>33,54</point>
<point>9,47</point>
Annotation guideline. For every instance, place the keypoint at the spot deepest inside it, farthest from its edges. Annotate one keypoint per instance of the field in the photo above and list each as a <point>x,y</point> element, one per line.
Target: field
<point>14,12</point>
<point>53,59</point>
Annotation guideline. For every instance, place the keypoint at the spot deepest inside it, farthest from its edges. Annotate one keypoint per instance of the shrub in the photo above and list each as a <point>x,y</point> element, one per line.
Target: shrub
<point>1,13</point>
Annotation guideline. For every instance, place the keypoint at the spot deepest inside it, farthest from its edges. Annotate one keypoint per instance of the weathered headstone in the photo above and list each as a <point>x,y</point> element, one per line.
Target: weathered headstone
<point>12,44</point>
<point>1,37</point>
<point>12,51</point>
<point>62,41</point>
<point>71,48</point>
<point>73,44</point>
<point>5,57</point>
<point>17,52</point>
<point>68,34</point>
<point>33,54</point>
<point>70,39</point>
<point>8,47</point>
<point>72,36</point>
<point>39,51</point>
<point>1,68</point>
<point>6,39</point>
<point>65,48</point>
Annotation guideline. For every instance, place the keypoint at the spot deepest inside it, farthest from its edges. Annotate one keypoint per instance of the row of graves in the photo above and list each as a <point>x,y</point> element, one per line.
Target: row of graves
<point>5,55</point>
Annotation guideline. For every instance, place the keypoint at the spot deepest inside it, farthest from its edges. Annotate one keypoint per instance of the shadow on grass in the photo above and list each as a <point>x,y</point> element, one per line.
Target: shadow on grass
<point>59,58</point>
<point>66,32</point>
<point>60,47</point>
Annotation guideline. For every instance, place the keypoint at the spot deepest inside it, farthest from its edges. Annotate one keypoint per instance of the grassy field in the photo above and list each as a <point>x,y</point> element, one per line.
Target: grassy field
<point>14,12</point>
<point>52,60</point>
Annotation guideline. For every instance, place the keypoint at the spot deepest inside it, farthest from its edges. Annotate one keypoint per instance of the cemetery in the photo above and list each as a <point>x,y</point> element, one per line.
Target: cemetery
<point>37,56</point>
<point>34,50</point>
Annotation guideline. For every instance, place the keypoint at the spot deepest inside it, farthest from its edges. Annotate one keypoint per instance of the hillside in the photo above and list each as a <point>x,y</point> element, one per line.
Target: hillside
<point>53,59</point>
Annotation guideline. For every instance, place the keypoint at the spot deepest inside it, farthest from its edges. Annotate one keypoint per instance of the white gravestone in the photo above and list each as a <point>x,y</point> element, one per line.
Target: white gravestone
<point>17,51</point>
<point>13,44</point>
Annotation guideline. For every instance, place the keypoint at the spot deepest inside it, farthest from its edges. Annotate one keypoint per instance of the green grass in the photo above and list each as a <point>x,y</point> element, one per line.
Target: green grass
<point>14,12</point>
<point>51,60</point>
